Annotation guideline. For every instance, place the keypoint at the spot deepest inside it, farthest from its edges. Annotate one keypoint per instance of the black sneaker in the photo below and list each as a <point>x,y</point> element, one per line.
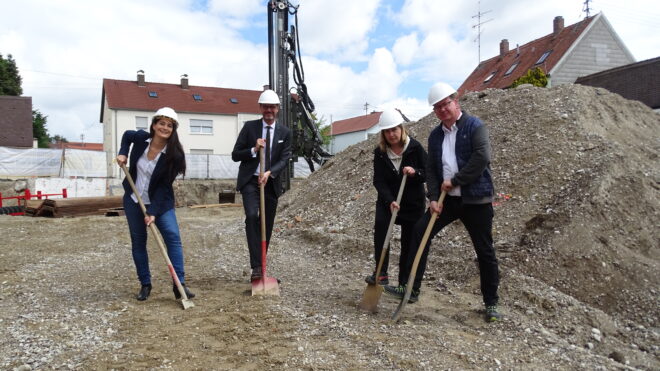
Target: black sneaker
<point>383,279</point>
<point>492,315</point>
<point>399,292</point>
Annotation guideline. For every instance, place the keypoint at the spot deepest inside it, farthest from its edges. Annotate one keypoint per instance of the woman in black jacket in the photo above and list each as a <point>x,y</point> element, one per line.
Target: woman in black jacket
<point>397,154</point>
<point>156,159</point>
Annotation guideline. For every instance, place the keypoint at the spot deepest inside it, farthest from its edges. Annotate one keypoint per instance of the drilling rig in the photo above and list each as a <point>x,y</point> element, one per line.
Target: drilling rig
<point>296,105</point>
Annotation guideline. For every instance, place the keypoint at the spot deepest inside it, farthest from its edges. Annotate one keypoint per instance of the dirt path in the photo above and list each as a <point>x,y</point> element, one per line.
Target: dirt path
<point>67,288</point>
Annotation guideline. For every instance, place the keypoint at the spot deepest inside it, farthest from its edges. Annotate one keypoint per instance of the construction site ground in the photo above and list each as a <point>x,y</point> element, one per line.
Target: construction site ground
<point>576,232</point>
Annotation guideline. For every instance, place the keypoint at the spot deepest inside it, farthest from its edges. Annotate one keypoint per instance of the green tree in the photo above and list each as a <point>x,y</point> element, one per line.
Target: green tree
<point>324,131</point>
<point>39,130</point>
<point>535,77</point>
<point>10,79</point>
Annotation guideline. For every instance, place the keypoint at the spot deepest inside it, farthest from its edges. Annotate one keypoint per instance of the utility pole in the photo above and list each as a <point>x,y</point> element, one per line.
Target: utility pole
<point>366,108</point>
<point>478,27</point>
<point>586,9</point>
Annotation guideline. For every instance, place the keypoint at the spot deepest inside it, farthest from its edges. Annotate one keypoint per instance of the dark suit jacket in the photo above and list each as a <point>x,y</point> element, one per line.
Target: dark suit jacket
<point>160,190</point>
<point>280,152</point>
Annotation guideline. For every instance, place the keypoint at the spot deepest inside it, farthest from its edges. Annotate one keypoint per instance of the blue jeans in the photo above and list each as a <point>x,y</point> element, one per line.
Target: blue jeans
<point>169,229</point>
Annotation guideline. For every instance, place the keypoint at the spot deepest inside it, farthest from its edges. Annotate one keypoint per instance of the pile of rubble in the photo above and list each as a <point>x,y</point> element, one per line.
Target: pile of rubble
<point>577,175</point>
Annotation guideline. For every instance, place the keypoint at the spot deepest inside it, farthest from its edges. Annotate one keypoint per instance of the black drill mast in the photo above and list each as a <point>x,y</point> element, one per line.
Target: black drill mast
<point>296,106</point>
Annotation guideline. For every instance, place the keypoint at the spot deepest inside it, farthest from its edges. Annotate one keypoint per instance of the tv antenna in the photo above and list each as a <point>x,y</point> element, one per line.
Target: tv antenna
<point>586,8</point>
<point>478,26</point>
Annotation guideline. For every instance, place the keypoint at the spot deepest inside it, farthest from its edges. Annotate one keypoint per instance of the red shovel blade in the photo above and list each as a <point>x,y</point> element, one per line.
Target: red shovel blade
<point>265,286</point>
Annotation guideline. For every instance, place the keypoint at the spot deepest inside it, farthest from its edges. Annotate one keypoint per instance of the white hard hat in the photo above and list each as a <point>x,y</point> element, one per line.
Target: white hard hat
<point>269,97</point>
<point>440,91</point>
<point>167,112</point>
<point>389,118</point>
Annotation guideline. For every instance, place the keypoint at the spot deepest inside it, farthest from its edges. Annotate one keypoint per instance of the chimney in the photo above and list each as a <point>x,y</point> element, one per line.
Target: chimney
<point>504,47</point>
<point>557,25</point>
<point>140,78</point>
<point>517,50</point>
<point>266,87</point>
<point>184,81</point>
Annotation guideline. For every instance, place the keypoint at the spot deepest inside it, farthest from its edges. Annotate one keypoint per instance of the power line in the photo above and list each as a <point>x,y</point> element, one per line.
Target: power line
<point>478,26</point>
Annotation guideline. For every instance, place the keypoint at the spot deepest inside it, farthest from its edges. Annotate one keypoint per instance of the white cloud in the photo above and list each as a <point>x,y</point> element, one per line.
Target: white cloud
<point>337,32</point>
<point>405,49</point>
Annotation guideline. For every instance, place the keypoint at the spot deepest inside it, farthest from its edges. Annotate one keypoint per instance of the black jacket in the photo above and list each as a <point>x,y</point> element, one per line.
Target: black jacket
<point>161,194</point>
<point>387,181</point>
<point>280,153</point>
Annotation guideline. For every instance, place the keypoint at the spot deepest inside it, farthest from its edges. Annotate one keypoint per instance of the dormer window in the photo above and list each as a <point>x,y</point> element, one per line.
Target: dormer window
<point>543,57</point>
<point>233,100</point>
<point>197,97</point>
<point>513,67</point>
<point>490,77</point>
<point>153,94</point>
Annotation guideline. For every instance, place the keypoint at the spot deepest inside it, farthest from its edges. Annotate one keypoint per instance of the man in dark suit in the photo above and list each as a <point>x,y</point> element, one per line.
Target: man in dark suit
<point>246,150</point>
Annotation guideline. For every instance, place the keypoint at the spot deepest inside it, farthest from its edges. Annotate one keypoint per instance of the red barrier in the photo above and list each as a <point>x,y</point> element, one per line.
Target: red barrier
<point>28,196</point>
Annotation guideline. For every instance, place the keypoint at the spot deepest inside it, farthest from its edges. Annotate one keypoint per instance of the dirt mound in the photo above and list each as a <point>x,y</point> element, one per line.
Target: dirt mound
<point>577,175</point>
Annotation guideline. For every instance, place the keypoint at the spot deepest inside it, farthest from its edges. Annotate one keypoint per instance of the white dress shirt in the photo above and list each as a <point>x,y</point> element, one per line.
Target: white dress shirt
<point>145,169</point>
<point>449,164</point>
<point>263,135</point>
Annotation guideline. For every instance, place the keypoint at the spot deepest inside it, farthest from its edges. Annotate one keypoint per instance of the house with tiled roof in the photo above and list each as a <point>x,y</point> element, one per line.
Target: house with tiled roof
<point>352,130</point>
<point>581,49</point>
<point>77,145</point>
<point>209,118</point>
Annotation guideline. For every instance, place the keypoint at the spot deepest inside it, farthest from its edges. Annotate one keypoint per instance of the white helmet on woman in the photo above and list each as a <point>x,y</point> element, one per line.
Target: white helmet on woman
<point>169,113</point>
<point>389,118</point>
<point>440,91</point>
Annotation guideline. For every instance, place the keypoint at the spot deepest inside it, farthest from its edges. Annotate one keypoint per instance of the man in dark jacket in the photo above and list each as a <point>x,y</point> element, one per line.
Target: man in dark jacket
<point>459,164</point>
<point>251,139</point>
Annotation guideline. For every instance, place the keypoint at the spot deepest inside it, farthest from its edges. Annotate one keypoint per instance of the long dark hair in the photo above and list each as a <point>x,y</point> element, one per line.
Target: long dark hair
<point>175,159</point>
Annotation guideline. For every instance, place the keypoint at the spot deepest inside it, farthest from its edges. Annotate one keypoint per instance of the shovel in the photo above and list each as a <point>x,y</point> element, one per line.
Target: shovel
<point>418,257</point>
<point>187,303</point>
<point>265,285</point>
<point>372,293</point>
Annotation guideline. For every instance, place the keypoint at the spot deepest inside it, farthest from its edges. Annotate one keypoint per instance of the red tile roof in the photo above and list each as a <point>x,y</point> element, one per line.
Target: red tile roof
<point>355,123</point>
<point>529,55</point>
<point>128,95</point>
<point>78,145</point>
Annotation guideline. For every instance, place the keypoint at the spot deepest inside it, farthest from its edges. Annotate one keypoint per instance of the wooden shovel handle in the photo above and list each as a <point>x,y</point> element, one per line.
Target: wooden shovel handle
<point>388,235</point>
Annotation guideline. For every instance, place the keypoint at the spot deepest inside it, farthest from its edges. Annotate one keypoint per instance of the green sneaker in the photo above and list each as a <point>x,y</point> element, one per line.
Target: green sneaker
<point>492,315</point>
<point>399,292</point>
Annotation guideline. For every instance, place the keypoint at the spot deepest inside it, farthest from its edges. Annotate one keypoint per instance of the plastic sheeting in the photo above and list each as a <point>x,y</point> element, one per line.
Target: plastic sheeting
<point>30,162</point>
<point>86,164</point>
<point>222,167</point>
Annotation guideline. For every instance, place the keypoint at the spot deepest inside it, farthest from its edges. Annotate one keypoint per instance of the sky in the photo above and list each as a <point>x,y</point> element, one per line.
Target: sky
<point>358,56</point>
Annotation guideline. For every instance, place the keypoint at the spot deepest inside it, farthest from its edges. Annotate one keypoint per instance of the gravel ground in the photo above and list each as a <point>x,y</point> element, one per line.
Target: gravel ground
<point>576,231</point>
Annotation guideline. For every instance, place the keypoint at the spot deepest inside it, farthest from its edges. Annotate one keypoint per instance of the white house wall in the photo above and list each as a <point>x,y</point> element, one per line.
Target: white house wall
<point>341,141</point>
<point>600,49</point>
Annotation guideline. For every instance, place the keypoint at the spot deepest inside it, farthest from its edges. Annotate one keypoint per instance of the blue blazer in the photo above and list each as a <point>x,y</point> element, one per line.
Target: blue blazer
<point>160,190</point>
<point>280,152</point>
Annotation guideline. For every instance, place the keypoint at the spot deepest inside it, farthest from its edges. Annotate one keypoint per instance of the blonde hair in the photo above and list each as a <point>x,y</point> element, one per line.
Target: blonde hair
<point>382,142</point>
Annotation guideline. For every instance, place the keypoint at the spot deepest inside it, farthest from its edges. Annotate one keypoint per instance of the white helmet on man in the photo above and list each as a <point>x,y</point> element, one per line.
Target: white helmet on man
<point>167,112</point>
<point>269,97</point>
<point>389,118</point>
<point>440,91</point>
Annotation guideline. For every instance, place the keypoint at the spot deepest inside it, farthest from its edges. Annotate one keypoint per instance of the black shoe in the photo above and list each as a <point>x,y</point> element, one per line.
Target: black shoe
<point>177,294</point>
<point>145,290</point>
<point>399,292</point>
<point>383,279</point>
<point>492,315</point>
<point>256,274</point>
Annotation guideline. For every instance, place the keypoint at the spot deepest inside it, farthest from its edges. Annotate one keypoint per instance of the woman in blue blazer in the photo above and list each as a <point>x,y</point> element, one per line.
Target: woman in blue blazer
<point>156,159</point>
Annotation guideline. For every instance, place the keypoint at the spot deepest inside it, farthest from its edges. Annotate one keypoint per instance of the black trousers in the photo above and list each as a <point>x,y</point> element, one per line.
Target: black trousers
<point>478,221</point>
<point>250,195</point>
<point>383,217</point>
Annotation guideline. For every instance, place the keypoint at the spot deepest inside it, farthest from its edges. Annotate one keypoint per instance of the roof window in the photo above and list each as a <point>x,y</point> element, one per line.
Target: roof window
<point>490,77</point>
<point>513,67</point>
<point>153,94</point>
<point>543,57</point>
<point>197,97</point>
<point>233,100</point>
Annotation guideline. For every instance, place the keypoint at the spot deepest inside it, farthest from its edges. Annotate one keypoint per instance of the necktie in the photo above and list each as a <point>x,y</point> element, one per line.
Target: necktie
<point>268,147</point>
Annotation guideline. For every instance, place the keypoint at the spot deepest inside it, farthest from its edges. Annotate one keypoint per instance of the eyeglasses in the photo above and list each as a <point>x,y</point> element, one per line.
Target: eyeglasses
<point>441,106</point>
